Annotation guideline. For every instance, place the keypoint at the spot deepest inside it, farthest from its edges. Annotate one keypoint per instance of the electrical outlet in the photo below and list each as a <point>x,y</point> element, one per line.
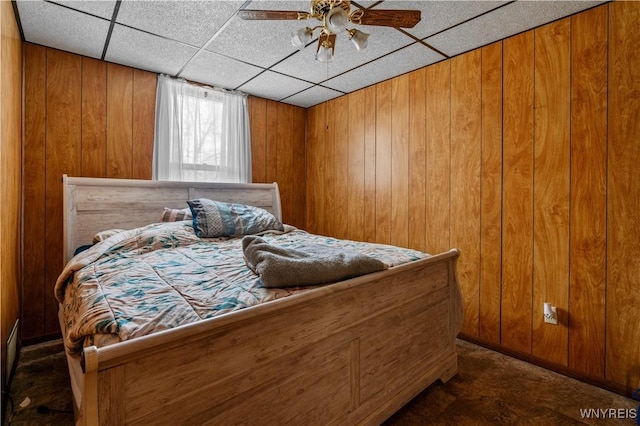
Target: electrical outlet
<point>550,314</point>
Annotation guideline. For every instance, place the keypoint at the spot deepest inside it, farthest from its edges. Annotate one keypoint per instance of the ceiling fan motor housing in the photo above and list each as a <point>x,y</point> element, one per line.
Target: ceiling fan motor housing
<point>319,8</point>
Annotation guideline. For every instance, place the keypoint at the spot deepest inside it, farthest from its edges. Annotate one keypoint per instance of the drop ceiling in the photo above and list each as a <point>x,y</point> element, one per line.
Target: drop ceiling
<point>204,41</point>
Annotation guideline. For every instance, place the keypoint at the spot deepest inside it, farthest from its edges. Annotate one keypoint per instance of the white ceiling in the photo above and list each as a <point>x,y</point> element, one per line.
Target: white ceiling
<point>205,41</point>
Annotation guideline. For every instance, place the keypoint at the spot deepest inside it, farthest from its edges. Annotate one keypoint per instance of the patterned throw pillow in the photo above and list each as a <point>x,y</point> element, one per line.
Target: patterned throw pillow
<point>176,215</point>
<point>216,219</point>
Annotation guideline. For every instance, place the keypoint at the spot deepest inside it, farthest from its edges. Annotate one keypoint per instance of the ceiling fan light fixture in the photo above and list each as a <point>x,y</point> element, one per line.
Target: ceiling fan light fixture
<point>326,46</point>
<point>301,37</point>
<point>334,16</point>
<point>359,39</point>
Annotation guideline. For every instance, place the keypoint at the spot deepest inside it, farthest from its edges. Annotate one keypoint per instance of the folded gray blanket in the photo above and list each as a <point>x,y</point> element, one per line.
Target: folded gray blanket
<point>304,265</point>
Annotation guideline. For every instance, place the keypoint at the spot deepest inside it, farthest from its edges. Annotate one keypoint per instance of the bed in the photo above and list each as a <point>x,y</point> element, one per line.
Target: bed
<point>352,352</point>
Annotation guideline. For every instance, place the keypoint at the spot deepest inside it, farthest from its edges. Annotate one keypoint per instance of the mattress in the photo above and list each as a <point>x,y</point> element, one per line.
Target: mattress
<point>162,276</point>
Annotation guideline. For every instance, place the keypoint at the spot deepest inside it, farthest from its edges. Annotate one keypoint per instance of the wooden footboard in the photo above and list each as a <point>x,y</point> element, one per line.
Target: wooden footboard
<point>347,353</point>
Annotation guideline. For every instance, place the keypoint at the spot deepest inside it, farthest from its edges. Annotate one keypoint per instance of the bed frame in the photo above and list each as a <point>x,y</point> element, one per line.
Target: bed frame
<point>347,353</point>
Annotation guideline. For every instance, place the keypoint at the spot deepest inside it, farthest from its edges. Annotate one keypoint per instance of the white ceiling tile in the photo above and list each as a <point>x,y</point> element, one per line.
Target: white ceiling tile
<point>312,96</point>
<point>297,5</point>
<point>262,43</point>
<point>101,8</point>
<point>271,85</point>
<point>65,29</point>
<point>218,71</point>
<point>363,4</point>
<point>191,22</point>
<point>504,22</point>
<point>439,15</point>
<point>400,62</point>
<point>303,64</point>
<point>148,52</point>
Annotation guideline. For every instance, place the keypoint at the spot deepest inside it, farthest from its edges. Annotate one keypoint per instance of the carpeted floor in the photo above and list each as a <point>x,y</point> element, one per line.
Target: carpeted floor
<point>490,389</point>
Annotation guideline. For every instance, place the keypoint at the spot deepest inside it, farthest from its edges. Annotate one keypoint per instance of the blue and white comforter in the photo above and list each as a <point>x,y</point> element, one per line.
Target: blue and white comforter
<point>162,276</point>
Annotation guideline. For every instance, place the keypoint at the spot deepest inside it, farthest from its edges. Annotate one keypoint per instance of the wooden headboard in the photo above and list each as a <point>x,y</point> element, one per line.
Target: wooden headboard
<point>95,204</point>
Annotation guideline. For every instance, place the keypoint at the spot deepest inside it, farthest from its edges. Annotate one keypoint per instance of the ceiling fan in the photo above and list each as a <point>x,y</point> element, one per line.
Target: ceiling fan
<point>335,15</point>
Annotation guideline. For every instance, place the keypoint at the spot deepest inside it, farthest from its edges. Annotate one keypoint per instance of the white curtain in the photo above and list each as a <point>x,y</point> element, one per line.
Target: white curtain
<point>201,134</point>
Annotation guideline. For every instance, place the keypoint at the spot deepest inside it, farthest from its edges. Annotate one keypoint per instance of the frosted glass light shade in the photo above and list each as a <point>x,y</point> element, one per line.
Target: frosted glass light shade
<point>301,37</point>
<point>324,54</point>
<point>326,45</point>
<point>337,20</point>
<point>359,39</point>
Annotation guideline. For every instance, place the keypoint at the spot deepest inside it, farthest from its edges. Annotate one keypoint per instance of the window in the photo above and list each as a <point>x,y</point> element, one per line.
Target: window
<point>202,134</point>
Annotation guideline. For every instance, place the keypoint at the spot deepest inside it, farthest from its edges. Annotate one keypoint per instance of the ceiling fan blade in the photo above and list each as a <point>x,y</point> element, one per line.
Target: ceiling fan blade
<point>253,15</point>
<point>386,17</point>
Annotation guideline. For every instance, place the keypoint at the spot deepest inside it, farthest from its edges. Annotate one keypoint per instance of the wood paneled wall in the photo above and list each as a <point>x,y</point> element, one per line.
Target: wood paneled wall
<point>86,117</point>
<point>622,283</point>
<point>83,117</point>
<point>523,154</point>
<point>10,177</point>
<point>277,153</point>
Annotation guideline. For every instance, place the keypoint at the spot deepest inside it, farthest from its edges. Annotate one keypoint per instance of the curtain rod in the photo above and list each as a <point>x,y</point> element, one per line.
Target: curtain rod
<point>206,86</point>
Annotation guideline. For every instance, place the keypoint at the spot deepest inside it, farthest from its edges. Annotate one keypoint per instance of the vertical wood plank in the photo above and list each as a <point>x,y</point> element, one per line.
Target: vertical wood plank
<point>623,208</point>
<point>517,199</point>
<point>356,166</point>
<point>94,117</point>
<point>491,202</point>
<point>63,144</point>
<point>258,122</point>
<point>119,121</point>
<point>299,166</point>
<point>330,169</point>
<point>417,159</point>
<point>341,146</point>
<point>11,81</point>
<point>588,191</point>
<point>369,233</point>
<point>284,159</point>
<point>271,164</point>
<point>315,169</point>
<point>33,190</point>
<point>551,190</point>
<point>383,162</point>
<point>144,111</point>
<point>438,156</point>
<point>400,161</point>
<point>466,116</point>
